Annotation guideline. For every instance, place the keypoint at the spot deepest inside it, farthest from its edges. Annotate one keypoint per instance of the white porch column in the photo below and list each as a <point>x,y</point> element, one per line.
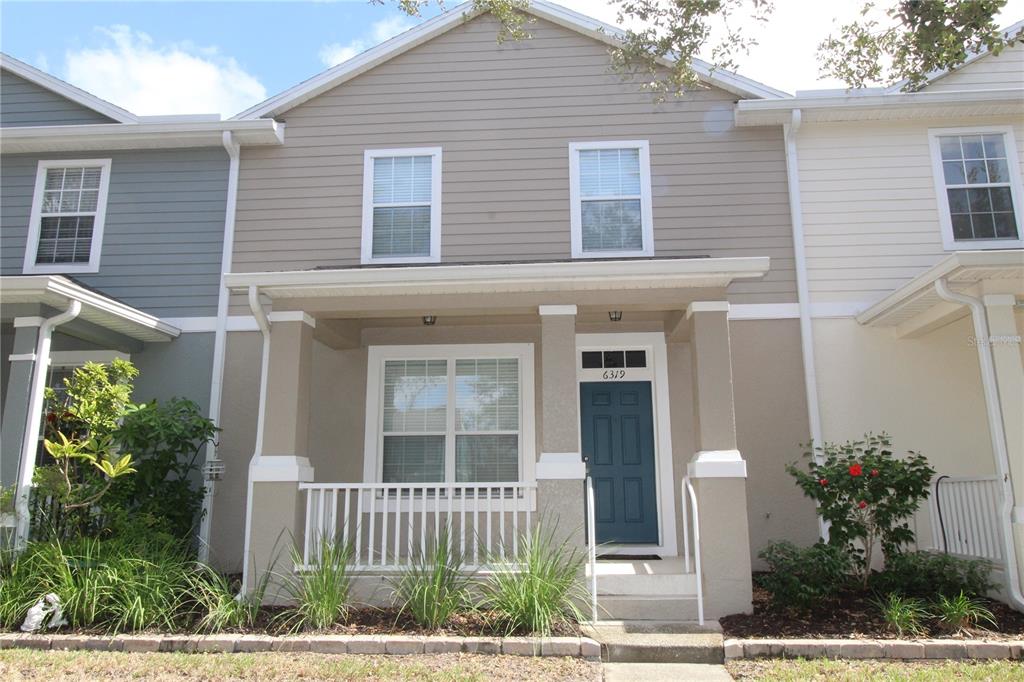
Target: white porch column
<point>276,514</point>
<point>560,470</point>
<point>1005,340</point>
<point>717,469</point>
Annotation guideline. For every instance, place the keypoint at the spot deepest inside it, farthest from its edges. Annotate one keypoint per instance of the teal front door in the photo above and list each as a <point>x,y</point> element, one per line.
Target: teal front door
<point>617,434</point>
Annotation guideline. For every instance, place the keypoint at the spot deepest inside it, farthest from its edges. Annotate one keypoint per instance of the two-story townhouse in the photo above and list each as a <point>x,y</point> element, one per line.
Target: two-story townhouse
<point>910,214</point>
<point>478,273</point>
<point>112,238</point>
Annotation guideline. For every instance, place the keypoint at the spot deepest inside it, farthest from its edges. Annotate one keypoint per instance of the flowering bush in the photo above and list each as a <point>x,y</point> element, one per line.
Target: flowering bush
<point>865,494</point>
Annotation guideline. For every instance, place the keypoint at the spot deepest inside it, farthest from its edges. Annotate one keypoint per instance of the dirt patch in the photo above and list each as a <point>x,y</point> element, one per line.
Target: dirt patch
<point>852,616</point>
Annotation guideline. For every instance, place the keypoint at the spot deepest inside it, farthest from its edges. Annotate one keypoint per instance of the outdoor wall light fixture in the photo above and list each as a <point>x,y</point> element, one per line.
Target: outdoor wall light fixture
<point>615,315</point>
<point>429,320</point>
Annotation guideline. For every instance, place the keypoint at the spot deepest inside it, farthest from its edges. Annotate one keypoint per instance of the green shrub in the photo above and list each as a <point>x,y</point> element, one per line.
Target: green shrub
<point>541,589</point>
<point>905,616</point>
<point>927,574</point>
<point>433,587</point>
<point>866,494</point>
<point>960,614</point>
<point>320,591</point>
<point>800,579</point>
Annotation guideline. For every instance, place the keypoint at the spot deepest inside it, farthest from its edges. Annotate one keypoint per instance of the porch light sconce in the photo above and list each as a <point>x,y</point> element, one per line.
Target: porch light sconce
<point>429,320</point>
<point>615,315</point>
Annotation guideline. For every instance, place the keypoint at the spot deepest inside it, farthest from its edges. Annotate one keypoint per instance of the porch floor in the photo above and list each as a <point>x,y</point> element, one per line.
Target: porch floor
<point>665,566</point>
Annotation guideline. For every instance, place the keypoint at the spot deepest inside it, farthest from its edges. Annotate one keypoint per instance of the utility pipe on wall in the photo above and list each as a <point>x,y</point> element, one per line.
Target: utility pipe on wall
<point>803,297</point>
<point>997,431</point>
<point>30,442</point>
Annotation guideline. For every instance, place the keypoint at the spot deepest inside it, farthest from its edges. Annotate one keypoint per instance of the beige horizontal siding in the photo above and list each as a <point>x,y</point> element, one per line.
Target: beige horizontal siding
<point>870,211</point>
<point>1005,70</point>
<point>504,117</point>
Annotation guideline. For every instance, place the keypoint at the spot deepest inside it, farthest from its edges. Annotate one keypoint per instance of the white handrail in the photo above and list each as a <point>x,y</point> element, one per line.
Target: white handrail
<point>592,549</point>
<point>688,492</point>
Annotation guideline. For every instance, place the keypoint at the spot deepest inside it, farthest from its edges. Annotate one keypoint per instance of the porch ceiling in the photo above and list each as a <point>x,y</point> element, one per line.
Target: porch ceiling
<point>915,308</point>
<point>502,288</point>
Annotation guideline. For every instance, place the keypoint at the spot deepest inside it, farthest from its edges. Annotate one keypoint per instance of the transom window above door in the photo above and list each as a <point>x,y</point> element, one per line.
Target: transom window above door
<point>451,414</point>
<point>610,191</point>
<point>977,178</point>
<point>69,206</point>
<point>402,206</point>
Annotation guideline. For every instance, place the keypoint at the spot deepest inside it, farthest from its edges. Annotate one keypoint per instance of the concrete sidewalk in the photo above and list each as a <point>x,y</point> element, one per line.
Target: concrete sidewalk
<point>665,672</point>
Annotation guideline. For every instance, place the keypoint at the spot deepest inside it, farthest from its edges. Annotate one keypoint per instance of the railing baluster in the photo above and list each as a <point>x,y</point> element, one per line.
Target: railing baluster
<point>476,527</point>
<point>359,527</point>
<point>501,520</point>
<point>462,523</point>
<point>490,512</point>
<point>371,541</point>
<point>309,521</point>
<point>515,522</point>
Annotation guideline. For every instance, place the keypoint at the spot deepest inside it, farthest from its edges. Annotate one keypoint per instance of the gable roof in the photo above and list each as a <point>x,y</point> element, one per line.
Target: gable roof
<point>65,90</point>
<point>611,35</point>
<point>1016,29</point>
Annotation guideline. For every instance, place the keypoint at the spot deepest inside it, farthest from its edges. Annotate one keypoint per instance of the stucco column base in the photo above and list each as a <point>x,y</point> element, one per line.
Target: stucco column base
<point>560,511</point>
<point>276,529</point>
<point>725,546</point>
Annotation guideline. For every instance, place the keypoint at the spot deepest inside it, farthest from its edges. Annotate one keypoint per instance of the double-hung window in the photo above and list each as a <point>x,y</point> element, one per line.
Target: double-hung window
<point>69,208</point>
<point>402,206</point>
<point>610,194</point>
<point>977,181</point>
<point>455,414</point>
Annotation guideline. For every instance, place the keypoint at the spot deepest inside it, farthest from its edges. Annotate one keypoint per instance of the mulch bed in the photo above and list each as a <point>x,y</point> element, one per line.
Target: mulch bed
<point>852,616</point>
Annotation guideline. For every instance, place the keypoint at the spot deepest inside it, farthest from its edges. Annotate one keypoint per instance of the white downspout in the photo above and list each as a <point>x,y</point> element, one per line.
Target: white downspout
<point>803,296</point>
<point>33,421</point>
<point>220,337</point>
<point>264,325</point>
<point>997,430</point>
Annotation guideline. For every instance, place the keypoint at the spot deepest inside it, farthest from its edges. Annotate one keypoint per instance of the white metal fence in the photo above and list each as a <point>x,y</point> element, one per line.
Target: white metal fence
<point>389,525</point>
<point>965,516</point>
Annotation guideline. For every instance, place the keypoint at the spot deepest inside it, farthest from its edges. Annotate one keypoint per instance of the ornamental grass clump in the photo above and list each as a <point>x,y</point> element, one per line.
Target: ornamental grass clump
<point>866,494</point>
<point>220,604</point>
<point>960,614</point>
<point>905,616</point>
<point>320,590</point>
<point>434,587</point>
<point>540,589</point>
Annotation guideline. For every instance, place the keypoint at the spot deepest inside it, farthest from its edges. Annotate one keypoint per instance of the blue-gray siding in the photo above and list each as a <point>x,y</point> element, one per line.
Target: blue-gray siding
<point>164,228</point>
<point>23,103</point>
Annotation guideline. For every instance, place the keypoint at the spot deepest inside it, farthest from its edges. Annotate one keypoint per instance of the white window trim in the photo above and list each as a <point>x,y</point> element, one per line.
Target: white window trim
<point>36,217</point>
<point>945,220</point>
<point>576,211</point>
<point>366,250</point>
<point>373,460</point>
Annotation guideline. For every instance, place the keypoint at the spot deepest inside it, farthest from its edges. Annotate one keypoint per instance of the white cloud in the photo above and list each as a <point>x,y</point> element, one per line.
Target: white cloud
<point>132,71</point>
<point>333,54</point>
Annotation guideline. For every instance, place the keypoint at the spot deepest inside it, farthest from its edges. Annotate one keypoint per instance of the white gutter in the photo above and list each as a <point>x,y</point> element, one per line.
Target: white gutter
<point>33,421</point>
<point>264,324</point>
<point>220,337</point>
<point>803,295</point>
<point>997,431</point>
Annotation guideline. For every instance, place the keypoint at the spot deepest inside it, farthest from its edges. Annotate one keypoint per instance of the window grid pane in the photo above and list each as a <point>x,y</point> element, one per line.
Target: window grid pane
<point>612,225</point>
<point>415,396</point>
<point>69,203</point>
<point>413,459</point>
<point>976,172</point>
<point>486,458</point>
<point>402,200</point>
<point>401,231</point>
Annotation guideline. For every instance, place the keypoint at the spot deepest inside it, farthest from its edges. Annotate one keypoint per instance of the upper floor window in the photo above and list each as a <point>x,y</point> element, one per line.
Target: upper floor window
<point>69,208</point>
<point>977,179</point>
<point>610,191</point>
<point>402,206</point>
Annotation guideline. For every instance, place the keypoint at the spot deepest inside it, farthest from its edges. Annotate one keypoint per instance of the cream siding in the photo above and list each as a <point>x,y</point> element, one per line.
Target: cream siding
<point>870,211</point>
<point>1005,70</point>
<point>504,117</point>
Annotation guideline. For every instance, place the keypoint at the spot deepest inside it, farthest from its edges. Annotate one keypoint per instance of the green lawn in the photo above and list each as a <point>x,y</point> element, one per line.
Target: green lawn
<point>24,664</point>
<point>887,671</point>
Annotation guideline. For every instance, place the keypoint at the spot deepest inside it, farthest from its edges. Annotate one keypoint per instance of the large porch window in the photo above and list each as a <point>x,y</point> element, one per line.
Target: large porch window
<point>454,414</point>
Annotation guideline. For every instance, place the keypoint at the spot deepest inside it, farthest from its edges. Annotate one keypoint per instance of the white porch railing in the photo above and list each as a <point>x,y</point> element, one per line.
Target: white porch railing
<point>389,525</point>
<point>688,498</point>
<point>965,516</point>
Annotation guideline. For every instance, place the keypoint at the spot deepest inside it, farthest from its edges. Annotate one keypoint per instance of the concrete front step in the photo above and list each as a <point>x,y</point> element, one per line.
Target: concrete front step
<point>659,642</point>
<point>684,584</point>
<point>646,608</point>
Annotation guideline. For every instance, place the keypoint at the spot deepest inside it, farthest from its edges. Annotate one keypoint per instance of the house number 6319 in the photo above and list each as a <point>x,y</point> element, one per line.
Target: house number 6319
<point>614,374</point>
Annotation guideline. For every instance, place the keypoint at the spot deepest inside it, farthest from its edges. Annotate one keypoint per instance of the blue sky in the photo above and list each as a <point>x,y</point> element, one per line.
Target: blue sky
<point>205,57</point>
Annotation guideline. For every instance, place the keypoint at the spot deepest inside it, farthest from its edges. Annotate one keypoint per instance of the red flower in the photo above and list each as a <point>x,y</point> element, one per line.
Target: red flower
<point>874,472</point>
<point>856,470</point>
<point>51,417</point>
<point>862,504</point>
<point>823,481</point>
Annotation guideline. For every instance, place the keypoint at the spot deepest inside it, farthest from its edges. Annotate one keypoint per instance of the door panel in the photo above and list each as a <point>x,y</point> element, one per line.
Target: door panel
<point>617,433</point>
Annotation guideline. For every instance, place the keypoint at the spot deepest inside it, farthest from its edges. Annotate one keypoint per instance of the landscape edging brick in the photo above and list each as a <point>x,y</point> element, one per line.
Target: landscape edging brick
<point>580,647</point>
<point>891,649</point>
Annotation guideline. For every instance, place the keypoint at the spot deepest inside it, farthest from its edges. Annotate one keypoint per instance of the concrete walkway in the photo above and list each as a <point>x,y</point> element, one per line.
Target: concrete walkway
<point>665,672</point>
